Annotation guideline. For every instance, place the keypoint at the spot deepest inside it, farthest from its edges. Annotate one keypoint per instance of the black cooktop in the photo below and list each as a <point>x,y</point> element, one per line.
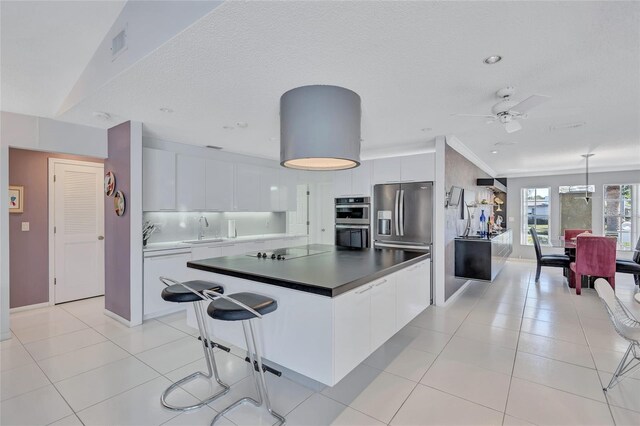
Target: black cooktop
<point>285,253</point>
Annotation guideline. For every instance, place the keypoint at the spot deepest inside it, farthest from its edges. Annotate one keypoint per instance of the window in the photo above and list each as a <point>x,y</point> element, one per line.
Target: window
<point>535,213</point>
<point>621,214</point>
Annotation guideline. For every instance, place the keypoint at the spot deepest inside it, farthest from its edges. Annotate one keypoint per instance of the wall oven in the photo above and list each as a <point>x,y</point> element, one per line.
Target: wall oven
<point>353,222</point>
<point>353,210</point>
<point>356,236</point>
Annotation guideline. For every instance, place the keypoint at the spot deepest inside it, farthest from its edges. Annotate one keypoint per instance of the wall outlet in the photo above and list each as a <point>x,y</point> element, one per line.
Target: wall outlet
<point>25,226</point>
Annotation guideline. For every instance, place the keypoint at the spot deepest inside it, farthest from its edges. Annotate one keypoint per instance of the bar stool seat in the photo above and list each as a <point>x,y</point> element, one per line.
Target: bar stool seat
<point>177,293</point>
<point>248,308</point>
<point>193,292</point>
<point>224,310</point>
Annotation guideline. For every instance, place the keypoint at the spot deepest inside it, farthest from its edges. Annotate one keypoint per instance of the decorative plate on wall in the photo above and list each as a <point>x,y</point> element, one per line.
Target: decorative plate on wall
<point>109,183</point>
<point>119,203</point>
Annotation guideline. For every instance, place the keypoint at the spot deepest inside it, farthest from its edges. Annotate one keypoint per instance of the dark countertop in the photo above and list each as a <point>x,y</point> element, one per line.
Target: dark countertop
<point>331,273</point>
<point>479,238</point>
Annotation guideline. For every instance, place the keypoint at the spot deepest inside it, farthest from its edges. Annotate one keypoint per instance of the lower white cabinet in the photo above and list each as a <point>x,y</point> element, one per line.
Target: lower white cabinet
<point>199,253</point>
<point>413,292</point>
<point>383,310</point>
<point>352,329</point>
<point>170,264</point>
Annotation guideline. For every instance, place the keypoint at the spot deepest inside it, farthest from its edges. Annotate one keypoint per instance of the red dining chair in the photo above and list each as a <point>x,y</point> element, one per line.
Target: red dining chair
<point>572,233</point>
<point>596,257</point>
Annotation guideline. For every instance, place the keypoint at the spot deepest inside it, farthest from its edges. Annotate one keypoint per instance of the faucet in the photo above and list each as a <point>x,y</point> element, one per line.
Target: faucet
<point>201,228</point>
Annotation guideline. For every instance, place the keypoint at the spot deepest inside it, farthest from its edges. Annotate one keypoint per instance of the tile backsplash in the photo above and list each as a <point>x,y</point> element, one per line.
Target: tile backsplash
<point>179,226</point>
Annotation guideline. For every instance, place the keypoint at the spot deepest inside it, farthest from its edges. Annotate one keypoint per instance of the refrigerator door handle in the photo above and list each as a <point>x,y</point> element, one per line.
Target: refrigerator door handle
<point>401,215</point>
<point>396,203</point>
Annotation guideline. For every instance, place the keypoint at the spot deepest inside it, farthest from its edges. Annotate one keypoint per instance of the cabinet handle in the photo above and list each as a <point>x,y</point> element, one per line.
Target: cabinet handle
<point>380,283</point>
<point>365,290</point>
<point>413,268</point>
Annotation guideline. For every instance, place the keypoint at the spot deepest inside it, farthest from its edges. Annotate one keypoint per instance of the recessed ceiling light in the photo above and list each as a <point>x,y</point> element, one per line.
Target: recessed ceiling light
<point>228,127</point>
<point>242,124</point>
<point>426,129</point>
<point>492,59</point>
<point>104,116</point>
<point>494,151</point>
<point>167,110</point>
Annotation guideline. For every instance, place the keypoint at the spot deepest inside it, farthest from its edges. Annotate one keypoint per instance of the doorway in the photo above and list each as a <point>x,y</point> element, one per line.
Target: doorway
<point>76,230</point>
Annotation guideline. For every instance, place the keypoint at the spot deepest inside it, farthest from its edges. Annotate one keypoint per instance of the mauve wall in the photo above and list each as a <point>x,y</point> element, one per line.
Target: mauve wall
<point>29,260</point>
<point>117,287</point>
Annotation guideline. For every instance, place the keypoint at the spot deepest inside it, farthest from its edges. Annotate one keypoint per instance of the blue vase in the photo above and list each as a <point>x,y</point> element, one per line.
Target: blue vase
<point>483,224</point>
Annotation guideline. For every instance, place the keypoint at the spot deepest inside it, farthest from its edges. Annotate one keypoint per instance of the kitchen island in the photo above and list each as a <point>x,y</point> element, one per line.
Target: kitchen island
<point>335,305</point>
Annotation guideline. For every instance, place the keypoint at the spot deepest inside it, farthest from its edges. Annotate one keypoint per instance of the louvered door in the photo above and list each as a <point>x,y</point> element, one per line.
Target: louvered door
<point>79,231</point>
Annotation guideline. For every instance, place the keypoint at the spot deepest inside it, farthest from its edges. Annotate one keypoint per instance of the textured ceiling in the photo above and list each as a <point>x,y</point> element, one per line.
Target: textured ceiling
<point>45,46</point>
<point>413,63</point>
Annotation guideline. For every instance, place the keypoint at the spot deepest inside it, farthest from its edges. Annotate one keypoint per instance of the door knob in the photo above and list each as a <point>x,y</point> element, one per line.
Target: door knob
<point>100,237</point>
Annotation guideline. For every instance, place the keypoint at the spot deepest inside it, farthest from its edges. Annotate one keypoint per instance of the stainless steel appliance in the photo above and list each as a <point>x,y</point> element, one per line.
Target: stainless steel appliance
<point>284,253</point>
<point>354,210</point>
<point>353,222</point>
<point>403,215</point>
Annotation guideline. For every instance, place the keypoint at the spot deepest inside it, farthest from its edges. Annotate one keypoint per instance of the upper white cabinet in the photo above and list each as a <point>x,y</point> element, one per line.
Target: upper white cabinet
<point>288,190</point>
<point>269,189</point>
<point>386,170</point>
<point>410,168</point>
<point>191,182</point>
<point>249,184</point>
<point>417,168</point>
<point>354,181</point>
<point>158,180</point>
<point>219,186</point>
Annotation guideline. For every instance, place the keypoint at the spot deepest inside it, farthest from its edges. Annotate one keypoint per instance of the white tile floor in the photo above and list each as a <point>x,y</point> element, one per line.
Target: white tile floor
<point>513,352</point>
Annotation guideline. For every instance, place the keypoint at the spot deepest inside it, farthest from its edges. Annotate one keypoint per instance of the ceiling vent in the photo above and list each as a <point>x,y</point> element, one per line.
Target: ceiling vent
<point>214,147</point>
<point>119,44</point>
<point>567,126</point>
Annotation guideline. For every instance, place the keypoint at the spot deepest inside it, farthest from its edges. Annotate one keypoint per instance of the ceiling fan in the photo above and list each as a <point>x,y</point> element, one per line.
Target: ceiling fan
<point>507,111</point>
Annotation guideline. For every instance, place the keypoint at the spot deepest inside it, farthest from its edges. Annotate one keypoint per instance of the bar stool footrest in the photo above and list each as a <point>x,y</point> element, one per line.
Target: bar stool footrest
<point>265,367</point>
<point>211,344</point>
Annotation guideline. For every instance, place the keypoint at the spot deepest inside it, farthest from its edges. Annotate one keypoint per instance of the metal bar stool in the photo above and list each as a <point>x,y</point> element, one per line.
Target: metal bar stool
<point>191,292</point>
<point>248,308</point>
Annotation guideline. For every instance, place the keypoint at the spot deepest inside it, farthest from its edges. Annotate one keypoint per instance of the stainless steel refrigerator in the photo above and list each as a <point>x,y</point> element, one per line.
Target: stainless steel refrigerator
<point>403,215</point>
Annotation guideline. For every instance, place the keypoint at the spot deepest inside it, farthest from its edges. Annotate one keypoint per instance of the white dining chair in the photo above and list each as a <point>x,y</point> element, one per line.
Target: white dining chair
<point>626,325</point>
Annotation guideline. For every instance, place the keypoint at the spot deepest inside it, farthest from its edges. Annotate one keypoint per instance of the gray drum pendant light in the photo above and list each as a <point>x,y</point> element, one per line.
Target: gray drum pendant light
<point>320,128</point>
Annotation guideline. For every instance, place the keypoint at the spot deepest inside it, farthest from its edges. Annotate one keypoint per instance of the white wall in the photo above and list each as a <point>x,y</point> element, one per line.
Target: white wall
<point>514,190</point>
<point>40,134</point>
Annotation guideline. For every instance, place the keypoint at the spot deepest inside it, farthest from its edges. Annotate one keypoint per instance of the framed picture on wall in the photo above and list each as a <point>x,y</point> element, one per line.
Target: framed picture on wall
<point>16,199</point>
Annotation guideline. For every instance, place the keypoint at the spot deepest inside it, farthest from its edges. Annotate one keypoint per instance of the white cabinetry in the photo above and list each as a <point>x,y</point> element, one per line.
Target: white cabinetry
<point>386,170</point>
<point>248,187</point>
<point>158,180</point>
<point>288,190</point>
<point>219,186</point>
<point>199,253</point>
<point>413,292</point>
<point>410,168</point>
<point>171,264</point>
<point>352,329</point>
<point>191,183</point>
<point>269,188</point>
<point>354,181</point>
<point>383,310</point>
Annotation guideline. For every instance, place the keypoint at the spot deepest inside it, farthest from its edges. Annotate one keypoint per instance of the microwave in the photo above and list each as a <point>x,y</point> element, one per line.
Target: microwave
<point>352,210</point>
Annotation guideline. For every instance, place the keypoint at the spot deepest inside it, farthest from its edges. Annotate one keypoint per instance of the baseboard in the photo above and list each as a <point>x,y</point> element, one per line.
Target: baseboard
<point>117,318</point>
<point>521,259</point>
<point>29,307</point>
<point>164,312</point>
<point>457,294</point>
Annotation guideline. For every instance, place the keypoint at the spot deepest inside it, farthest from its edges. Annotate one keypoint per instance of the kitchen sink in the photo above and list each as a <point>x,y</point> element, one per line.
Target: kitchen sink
<point>204,241</point>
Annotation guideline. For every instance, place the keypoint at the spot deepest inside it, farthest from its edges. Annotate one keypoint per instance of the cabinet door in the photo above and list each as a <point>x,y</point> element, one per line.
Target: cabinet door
<point>219,186</point>
<point>236,249</point>
<point>341,183</point>
<point>386,170</point>
<point>288,190</point>
<point>248,187</point>
<point>417,168</point>
<point>352,330</point>
<point>361,179</point>
<point>173,266</point>
<point>270,190</point>
<point>383,311</point>
<point>158,180</point>
<point>412,292</point>
<point>191,180</point>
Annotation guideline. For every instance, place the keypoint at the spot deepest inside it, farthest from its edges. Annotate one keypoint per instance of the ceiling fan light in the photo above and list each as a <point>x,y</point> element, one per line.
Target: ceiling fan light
<point>320,128</point>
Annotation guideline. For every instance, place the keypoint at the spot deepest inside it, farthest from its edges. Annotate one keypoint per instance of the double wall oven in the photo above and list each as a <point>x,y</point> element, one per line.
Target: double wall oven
<point>353,222</point>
